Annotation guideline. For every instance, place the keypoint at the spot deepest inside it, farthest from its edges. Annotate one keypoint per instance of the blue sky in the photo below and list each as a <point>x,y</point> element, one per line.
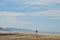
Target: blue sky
<point>31,14</point>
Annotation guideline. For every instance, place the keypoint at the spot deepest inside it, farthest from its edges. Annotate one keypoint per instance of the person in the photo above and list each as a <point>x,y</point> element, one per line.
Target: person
<point>36,31</point>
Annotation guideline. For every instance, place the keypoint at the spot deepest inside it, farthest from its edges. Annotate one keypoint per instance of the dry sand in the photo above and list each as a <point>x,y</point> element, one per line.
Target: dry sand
<point>19,36</point>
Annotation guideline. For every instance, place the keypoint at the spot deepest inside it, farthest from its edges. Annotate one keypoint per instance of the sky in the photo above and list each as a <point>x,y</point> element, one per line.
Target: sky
<point>43,15</point>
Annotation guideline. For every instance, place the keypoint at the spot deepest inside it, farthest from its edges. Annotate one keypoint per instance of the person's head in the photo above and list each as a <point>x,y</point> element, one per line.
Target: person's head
<point>36,31</point>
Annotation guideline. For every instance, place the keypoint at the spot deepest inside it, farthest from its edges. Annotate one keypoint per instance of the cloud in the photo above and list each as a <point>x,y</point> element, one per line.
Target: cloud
<point>8,19</point>
<point>11,22</point>
<point>33,2</point>
<point>11,14</point>
<point>38,2</point>
<point>28,5</point>
<point>46,13</point>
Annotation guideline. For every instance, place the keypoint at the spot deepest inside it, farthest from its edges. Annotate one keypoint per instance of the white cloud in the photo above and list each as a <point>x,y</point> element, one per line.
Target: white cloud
<point>11,14</point>
<point>28,4</point>
<point>36,2</point>
<point>54,18</point>
<point>8,19</point>
<point>11,21</point>
<point>41,2</point>
<point>46,13</point>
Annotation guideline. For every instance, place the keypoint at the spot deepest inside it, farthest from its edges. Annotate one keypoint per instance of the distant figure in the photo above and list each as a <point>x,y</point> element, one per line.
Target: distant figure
<point>36,31</point>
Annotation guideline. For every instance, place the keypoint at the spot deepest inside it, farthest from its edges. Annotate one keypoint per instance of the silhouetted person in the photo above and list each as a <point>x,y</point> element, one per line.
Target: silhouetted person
<point>36,31</point>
